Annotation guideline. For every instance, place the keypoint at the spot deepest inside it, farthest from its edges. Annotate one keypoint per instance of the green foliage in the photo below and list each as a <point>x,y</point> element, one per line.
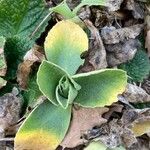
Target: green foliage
<point>46,127</point>
<point>15,49</point>
<point>138,68</point>
<point>142,105</point>
<point>32,93</point>
<point>64,51</point>
<point>62,89</point>
<point>21,17</point>
<point>67,13</point>
<point>64,10</point>
<point>88,89</point>
<point>90,3</point>
<point>18,20</point>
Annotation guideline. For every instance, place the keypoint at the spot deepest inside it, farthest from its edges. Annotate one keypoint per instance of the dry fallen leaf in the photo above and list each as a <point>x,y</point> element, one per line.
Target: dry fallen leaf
<point>83,120</point>
<point>10,107</point>
<point>122,52</point>
<point>135,94</point>
<point>111,35</point>
<point>96,57</point>
<point>24,69</point>
<point>112,109</point>
<point>137,9</point>
<point>114,5</point>
<point>146,85</point>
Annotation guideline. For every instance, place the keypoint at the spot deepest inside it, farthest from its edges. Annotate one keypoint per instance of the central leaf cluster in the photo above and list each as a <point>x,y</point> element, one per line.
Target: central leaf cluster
<point>66,91</point>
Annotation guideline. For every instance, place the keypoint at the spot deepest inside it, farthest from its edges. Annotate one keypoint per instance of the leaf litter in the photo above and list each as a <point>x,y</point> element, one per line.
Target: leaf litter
<point>114,40</point>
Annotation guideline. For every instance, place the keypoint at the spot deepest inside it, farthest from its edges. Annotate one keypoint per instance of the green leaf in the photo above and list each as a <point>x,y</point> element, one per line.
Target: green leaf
<point>56,84</point>
<point>44,128</point>
<point>64,44</point>
<point>48,78</point>
<point>96,146</point>
<point>21,17</point>
<point>100,88</point>
<point>138,68</point>
<point>90,3</point>
<point>2,42</point>
<point>66,91</point>
<point>32,93</point>
<point>64,10</point>
<point>15,49</point>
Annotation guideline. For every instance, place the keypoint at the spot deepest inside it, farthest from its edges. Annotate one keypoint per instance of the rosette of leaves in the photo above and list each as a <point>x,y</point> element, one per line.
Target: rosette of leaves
<point>48,123</point>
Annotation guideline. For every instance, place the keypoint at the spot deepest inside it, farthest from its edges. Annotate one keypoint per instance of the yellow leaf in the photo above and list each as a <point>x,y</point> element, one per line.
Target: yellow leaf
<point>141,128</point>
<point>64,44</point>
<point>42,141</point>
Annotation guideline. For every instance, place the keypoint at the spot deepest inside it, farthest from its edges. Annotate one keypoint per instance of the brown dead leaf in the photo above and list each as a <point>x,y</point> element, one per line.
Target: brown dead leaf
<point>112,109</point>
<point>10,107</point>
<point>135,94</point>
<point>96,56</point>
<point>146,85</point>
<point>121,52</point>
<point>83,120</point>
<point>115,134</point>
<point>111,35</point>
<point>124,131</point>
<point>24,69</point>
<point>143,143</point>
<point>137,120</point>
<point>137,8</point>
<point>114,5</point>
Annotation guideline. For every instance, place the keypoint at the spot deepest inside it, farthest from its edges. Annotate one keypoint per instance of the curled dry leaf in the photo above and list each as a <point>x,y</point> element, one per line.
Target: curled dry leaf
<point>24,69</point>
<point>121,52</point>
<point>137,120</point>
<point>124,131</point>
<point>146,85</point>
<point>137,9</point>
<point>115,107</point>
<point>111,35</point>
<point>83,120</point>
<point>135,94</point>
<point>114,5</point>
<point>143,143</point>
<point>113,134</point>
<point>96,57</point>
<point>10,107</point>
